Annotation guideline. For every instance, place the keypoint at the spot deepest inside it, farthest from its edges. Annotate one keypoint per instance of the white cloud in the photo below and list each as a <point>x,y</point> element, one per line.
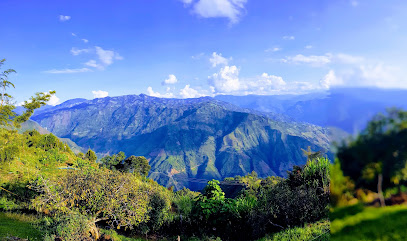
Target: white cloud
<point>171,80</point>
<point>330,79</point>
<point>288,37</point>
<point>349,59</point>
<point>188,92</point>
<point>308,47</point>
<point>63,18</point>
<point>231,9</point>
<point>275,49</point>
<point>226,80</point>
<point>94,64</point>
<point>99,94</point>
<point>73,34</point>
<point>107,56</point>
<point>151,92</point>
<point>218,59</point>
<point>85,40</point>
<point>367,74</point>
<point>67,71</point>
<point>320,60</point>
<point>76,51</point>
<point>54,100</point>
<point>316,60</point>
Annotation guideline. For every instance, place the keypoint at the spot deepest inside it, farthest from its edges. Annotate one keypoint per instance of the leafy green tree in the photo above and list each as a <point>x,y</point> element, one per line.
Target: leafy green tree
<point>110,162</point>
<point>378,154</point>
<point>120,199</point>
<point>134,164</point>
<point>91,156</point>
<point>7,106</point>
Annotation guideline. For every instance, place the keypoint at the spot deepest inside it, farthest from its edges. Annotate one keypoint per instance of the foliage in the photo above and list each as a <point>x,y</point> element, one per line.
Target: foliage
<point>318,231</point>
<point>379,150</point>
<point>91,155</point>
<point>370,223</point>
<point>70,227</point>
<point>133,164</point>
<point>101,195</point>
<point>110,162</point>
<point>342,187</point>
<point>6,101</point>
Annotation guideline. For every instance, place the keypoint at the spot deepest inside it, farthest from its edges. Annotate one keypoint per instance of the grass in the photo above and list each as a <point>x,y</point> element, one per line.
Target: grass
<point>18,225</point>
<point>369,223</point>
<point>318,231</point>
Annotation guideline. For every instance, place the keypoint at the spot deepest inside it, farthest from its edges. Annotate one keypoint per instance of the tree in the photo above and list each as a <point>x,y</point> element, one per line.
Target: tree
<point>91,156</point>
<point>120,199</point>
<point>378,154</point>
<point>7,106</point>
<point>134,164</point>
<point>110,162</point>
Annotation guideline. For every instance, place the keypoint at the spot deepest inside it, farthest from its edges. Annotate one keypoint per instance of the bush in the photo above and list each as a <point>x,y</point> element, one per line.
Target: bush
<point>68,227</point>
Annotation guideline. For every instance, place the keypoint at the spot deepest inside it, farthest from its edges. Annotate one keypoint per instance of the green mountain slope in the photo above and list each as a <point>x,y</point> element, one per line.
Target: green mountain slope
<point>186,139</point>
<point>32,125</point>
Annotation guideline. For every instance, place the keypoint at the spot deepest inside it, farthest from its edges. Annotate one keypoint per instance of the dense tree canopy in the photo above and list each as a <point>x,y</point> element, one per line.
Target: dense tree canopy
<point>378,155</point>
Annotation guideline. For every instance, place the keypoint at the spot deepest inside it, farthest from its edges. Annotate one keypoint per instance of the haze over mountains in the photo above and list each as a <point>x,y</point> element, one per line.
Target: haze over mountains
<point>207,138</point>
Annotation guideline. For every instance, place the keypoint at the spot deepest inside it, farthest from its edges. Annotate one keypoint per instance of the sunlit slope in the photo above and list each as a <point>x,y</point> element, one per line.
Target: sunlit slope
<point>193,138</point>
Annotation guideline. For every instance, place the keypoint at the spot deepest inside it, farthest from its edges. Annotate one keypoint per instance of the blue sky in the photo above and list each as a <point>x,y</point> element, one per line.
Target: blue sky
<point>192,48</point>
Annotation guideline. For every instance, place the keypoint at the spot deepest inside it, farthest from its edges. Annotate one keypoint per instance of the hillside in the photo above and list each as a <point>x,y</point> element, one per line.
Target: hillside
<point>353,106</point>
<point>183,139</point>
<point>32,125</point>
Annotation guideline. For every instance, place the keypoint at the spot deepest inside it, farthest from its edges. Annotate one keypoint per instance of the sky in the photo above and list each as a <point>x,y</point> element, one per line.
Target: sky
<point>191,48</point>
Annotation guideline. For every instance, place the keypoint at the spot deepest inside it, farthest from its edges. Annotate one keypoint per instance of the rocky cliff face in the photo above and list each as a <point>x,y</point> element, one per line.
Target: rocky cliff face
<point>187,139</point>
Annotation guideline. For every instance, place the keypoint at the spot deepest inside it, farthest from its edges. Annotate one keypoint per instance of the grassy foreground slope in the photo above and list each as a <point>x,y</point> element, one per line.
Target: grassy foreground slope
<point>369,223</point>
<point>18,225</point>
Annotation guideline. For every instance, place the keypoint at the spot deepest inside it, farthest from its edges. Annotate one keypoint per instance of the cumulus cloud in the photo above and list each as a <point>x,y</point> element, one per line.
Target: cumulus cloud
<point>67,71</point>
<point>288,37</point>
<point>54,100</point>
<point>151,92</point>
<point>266,84</point>
<point>308,47</point>
<point>329,80</point>
<point>188,92</point>
<point>170,80</point>
<point>99,94</point>
<point>218,59</point>
<point>226,80</point>
<point>231,9</point>
<point>63,18</point>
<point>85,40</point>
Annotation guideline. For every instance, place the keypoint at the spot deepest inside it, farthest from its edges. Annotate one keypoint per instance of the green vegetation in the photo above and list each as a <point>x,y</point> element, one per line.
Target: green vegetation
<point>317,231</point>
<point>76,198</point>
<point>369,223</point>
<point>370,171</point>
<point>18,225</point>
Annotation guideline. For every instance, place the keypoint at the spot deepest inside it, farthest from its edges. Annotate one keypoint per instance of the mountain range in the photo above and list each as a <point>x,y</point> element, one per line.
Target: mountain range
<point>186,139</point>
<point>190,140</point>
